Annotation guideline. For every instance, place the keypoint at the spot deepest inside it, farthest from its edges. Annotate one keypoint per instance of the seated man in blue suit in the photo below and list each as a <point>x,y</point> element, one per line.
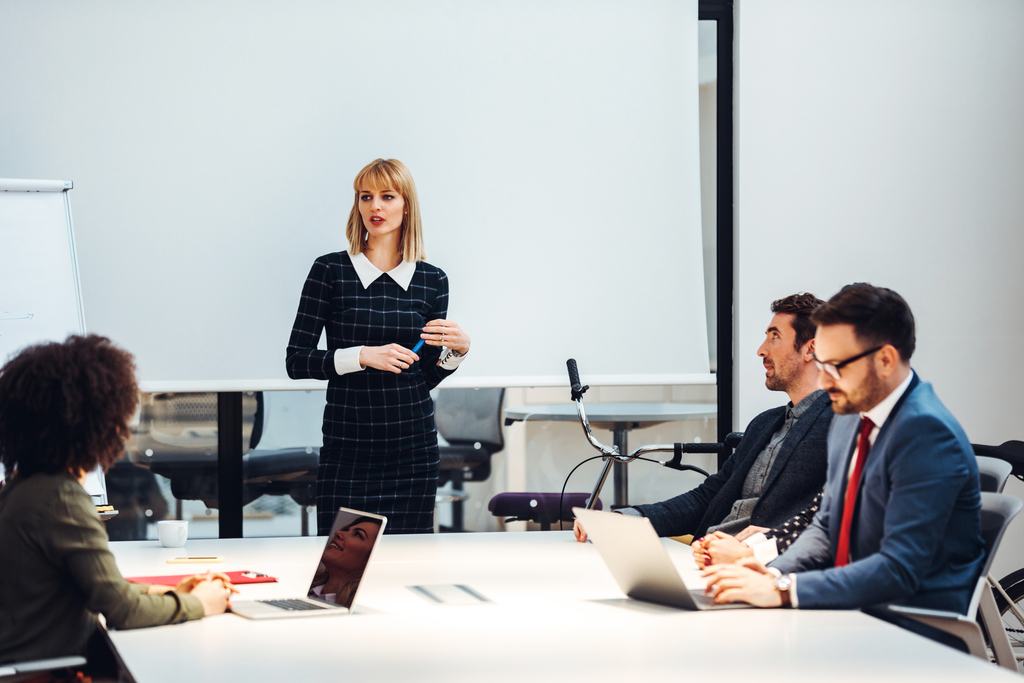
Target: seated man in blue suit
<point>779,466</point>
<point>899,521</point>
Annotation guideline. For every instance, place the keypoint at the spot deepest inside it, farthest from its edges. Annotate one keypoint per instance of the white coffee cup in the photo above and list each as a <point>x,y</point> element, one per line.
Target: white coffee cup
<point>172,532</point>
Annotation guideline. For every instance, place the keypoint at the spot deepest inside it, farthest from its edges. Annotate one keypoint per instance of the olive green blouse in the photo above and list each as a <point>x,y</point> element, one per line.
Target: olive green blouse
<point>57,573</point>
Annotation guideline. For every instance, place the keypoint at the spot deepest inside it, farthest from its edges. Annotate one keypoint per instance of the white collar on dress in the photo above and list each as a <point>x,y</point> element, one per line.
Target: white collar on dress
<point>368,273</point>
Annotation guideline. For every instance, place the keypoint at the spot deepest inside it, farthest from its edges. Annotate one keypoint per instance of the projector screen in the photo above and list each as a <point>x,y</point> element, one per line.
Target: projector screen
<point>213,145</point>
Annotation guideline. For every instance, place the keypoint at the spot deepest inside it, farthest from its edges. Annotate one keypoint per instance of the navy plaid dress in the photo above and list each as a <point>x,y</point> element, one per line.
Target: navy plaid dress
<point>380,443</point>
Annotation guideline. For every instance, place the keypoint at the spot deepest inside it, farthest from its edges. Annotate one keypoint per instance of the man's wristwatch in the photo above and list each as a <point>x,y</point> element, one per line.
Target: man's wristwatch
<point>782,585</point>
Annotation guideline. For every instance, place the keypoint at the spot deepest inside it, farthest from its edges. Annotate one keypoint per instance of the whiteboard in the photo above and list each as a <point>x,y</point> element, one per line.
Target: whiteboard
<point>40,298</point>
<point>554,144</point>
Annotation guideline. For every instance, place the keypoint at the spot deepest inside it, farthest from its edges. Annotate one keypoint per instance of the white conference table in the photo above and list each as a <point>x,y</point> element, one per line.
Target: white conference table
<point>554,614</point>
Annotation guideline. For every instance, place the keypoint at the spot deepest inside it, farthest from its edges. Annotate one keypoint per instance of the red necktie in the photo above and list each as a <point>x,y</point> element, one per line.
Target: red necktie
<point>852,486</point>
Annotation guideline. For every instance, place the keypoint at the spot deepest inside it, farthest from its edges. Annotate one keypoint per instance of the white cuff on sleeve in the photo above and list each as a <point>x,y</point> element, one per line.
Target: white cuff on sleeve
<point>347,360</point>
<point>449,359</point>
<point>765,550</point>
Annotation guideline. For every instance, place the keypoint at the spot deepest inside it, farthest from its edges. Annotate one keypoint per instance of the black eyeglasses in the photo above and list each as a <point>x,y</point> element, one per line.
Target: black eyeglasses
<point>832,369</point>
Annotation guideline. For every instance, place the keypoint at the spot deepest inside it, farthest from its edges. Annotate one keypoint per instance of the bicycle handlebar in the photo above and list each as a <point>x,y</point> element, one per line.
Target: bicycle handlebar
<point>611,453</point>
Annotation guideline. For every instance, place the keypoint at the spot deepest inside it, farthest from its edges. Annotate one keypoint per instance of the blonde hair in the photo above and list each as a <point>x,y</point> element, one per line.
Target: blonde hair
<point>388,174</point>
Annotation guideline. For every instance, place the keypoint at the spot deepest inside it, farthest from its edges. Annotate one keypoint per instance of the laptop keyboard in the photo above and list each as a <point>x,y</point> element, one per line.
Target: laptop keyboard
<point>291,605</point>
<point>702,599</point>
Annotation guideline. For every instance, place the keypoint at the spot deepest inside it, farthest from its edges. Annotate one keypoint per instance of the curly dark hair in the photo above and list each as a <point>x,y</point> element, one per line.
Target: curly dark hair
<point>64,407</point>
<point>801,306</point>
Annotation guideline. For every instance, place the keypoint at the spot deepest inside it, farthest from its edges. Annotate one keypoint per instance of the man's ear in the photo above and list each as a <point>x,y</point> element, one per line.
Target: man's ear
<point>809,351</point>
<point>888,358</point>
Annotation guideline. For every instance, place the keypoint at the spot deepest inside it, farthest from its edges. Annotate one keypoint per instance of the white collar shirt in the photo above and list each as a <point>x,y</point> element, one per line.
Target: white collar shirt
<point>880,413</point>
<point>368,273</point>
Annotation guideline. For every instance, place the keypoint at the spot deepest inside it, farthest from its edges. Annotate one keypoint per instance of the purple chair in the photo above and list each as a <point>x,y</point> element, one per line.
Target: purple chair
<point>541,508</point>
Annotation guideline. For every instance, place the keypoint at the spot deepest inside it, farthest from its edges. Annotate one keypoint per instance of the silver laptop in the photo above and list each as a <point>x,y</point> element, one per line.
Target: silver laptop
<point>640,564</point>
<point>339,571</point>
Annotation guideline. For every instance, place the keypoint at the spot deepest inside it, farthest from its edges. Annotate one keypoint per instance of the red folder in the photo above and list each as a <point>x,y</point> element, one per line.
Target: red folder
<point>237,578</point>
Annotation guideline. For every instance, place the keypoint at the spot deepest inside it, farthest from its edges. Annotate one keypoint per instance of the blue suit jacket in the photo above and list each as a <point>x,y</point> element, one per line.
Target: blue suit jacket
<point>916,535</point>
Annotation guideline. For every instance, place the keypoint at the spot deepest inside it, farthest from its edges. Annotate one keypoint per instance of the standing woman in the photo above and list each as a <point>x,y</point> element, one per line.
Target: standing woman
<point>377,300</point>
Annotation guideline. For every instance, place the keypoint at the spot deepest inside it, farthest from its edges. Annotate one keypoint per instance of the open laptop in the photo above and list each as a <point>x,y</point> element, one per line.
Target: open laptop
<point>640,564</point>
<point>336,576</point>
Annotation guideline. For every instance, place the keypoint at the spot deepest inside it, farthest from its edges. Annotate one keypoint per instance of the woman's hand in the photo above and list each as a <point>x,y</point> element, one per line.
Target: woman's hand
<point>700,552</point>
<point>389,358</point>
<point>213,589</point>
<point>213,594</point>
<point>188,583</point>
<point>446,333</point>
<point>722,548</point>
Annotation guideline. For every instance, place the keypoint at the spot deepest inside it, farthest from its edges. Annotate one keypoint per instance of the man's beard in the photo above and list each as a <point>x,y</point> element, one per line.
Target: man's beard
<point>781,380</point>
<point>870,392</point>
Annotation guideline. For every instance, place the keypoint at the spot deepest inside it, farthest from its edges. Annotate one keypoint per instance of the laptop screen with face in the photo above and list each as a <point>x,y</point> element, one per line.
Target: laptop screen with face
<point>346,554</point>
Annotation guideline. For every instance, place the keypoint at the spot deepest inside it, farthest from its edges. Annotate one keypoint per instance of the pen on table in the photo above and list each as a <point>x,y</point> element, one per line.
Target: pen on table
<point>194,558</point>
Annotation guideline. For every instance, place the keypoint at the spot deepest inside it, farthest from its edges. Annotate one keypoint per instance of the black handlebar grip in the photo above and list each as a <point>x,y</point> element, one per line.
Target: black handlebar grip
<point>574,374</point>
<point>732,439</point>
<point>574,380</point>
<point>712,447</point>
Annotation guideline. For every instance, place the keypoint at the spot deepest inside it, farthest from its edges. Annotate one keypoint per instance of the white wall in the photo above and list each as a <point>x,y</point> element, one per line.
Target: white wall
<point>882,141</point>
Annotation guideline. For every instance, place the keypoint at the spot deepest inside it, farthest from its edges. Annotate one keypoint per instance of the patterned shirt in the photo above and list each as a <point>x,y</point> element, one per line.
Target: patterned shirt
<point>753,485</point>
<point>373,410</point>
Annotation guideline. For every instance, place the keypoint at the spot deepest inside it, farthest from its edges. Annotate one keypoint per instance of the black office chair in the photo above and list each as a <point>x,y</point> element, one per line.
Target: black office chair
<point>177,439</point>
<point>1010,451</point>
<point>469,420</point>
<point>179,433</point>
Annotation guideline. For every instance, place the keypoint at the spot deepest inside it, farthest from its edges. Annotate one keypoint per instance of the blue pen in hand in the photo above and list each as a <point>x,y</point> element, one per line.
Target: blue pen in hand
<point>419,345</point>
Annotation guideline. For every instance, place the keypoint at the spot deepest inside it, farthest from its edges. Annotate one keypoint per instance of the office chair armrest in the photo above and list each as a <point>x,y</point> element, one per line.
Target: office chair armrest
<point>39,665</point>
<point>908,611</point>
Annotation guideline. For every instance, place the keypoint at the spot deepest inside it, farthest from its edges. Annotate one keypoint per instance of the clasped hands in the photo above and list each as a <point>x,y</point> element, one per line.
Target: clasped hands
<point>731,572</point>
<point>396,358</point>
<point>214,590</point>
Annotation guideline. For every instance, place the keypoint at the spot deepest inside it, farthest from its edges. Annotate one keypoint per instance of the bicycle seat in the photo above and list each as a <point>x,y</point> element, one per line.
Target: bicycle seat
<point>1010,451</point>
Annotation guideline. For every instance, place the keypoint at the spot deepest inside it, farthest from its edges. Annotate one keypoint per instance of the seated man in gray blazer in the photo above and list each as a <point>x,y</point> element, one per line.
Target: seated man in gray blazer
<point>779,466</point>
<point>899,519</point>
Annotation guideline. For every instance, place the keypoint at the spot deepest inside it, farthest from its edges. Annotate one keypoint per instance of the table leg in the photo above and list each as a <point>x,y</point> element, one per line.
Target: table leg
<point>620,473</point>
<point>229,463</point>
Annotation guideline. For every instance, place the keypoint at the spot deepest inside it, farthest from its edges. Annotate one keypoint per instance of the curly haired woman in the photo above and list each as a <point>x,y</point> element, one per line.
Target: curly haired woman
<point>64,410</point>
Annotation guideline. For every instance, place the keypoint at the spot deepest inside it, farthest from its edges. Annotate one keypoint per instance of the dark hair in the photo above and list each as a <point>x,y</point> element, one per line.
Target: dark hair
<point>878,315</point>
<point>801,306</point>
<point>66,406</point>
<point>359,520</point>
